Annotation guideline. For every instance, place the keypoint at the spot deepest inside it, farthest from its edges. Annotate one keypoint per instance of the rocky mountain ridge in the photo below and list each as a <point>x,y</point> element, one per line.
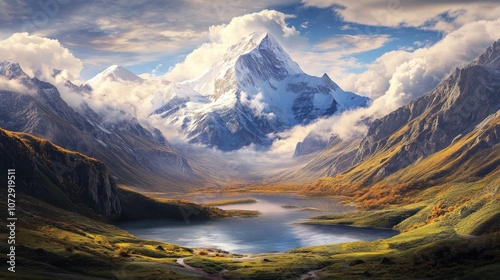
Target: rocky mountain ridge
<point>434,121</point>
<point>137,156</point>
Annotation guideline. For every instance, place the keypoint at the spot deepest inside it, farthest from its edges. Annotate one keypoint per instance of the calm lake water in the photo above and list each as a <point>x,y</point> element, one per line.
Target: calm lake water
<point>273,231</point>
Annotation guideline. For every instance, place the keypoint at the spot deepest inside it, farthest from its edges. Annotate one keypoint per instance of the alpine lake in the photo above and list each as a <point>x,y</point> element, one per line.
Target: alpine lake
<point>276,229</point>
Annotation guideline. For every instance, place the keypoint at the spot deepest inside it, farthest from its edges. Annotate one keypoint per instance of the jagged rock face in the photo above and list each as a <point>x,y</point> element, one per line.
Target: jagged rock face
<point>231,129</point>
<point>252,92</point>
<point>267,61</point>
<point>433,121</point>
<point>311,143</point>
<point>137,156</point>
<point>65,179</point>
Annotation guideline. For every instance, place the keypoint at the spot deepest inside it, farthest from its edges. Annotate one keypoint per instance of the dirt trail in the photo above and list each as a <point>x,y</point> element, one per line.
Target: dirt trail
<point>313,274</point>
<point>198,271</point>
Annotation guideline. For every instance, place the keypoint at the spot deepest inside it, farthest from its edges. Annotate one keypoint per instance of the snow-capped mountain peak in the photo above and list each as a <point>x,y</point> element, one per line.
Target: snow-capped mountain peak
<point>254,59</point>
<point>255,89</point>
<point>115,73</point>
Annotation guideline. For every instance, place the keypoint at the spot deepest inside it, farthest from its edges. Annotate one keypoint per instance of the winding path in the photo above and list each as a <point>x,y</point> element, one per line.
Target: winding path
<point>313,274</point>
<point>198,271</point>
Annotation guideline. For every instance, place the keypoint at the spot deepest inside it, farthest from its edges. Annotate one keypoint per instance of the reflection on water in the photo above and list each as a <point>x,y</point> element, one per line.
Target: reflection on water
<point>273,231</point>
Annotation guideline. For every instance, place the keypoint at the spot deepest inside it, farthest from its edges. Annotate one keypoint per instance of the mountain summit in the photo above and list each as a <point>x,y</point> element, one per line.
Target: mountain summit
<point>117,74</point>
<point>255,58</point>
<point>255,89</point>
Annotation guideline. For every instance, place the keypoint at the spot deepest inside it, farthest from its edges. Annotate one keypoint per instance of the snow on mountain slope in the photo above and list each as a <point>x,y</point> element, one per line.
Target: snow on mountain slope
<point>254,90</point>
<point>115,73</point>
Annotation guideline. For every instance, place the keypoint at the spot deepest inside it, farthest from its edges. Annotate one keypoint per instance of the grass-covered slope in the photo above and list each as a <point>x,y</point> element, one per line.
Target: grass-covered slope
<point>63,202</point>
<point>472,160</point>
<point>439,239</point>
<point>59,244</point>
<point>137,206</point>
<point>431,252</point>
<point>52,243</point>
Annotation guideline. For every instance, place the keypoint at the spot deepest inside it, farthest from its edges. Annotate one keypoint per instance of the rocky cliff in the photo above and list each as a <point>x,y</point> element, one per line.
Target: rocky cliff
<point>60,177</point>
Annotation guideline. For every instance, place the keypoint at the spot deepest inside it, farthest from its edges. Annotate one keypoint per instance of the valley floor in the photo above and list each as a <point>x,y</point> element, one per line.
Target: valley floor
<point>54,243</point>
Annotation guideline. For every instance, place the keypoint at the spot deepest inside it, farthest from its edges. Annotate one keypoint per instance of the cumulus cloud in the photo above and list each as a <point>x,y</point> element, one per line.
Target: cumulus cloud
<point>39,56</point>
<point>329,56</point>
<point>120,100</point>
<point>395,79</point>
<point>141,30</point>
<point>437,15</point>
<point>347,125</point>
<point>257,104</point>
<point>403,75</point>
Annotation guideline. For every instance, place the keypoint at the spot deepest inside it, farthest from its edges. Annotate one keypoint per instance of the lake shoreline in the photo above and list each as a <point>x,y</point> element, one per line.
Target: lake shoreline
<point>281,225</point>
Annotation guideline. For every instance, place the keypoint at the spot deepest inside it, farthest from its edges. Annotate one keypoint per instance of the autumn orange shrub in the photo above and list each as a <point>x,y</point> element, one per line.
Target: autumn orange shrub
<point>438,212</point>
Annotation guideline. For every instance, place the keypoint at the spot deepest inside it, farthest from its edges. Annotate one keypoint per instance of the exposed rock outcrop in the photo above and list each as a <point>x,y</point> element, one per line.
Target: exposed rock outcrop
<point>60,177</point>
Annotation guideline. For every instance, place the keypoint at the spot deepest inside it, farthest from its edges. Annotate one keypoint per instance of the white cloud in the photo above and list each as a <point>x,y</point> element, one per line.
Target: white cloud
<point>39,56</point>
<point>395,79</point>
<point>346,27</point>
<point>330,56</point>
<point>346,125</point>
<point>438,15</point>
<point>406,75</point>
<point>257,104</point>
<point>139,30</point>
<point>120,100</point>
<point>14,85</point>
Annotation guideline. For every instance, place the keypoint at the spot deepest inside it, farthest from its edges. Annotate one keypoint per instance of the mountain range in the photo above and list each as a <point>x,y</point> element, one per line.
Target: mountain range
<point>138,156</point>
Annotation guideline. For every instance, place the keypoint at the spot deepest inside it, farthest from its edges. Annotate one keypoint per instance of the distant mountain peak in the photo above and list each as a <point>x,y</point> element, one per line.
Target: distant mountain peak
<point>115,73</point>
<point>11,70</point>
<point>491,57</point>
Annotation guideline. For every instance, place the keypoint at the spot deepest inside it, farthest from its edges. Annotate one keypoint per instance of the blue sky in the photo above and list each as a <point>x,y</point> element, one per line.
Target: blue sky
<point>339,37</point>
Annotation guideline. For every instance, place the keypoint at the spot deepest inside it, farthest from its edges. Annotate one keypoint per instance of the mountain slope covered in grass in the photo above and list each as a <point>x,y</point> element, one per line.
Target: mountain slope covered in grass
<point>448,137</point>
